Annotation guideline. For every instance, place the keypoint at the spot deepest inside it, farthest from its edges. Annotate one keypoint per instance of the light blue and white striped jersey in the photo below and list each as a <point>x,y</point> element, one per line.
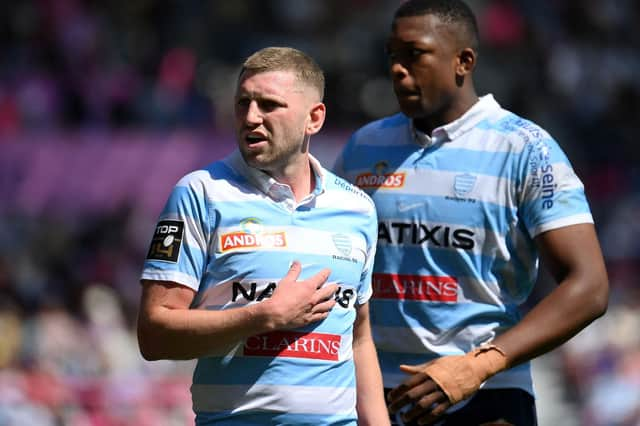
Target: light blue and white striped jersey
<point>230,232</point>
<point>458,211</point>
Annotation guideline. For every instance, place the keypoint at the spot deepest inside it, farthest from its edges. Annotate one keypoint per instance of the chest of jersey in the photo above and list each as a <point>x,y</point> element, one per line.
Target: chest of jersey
<point>251,249</point>
<point>438,197</point>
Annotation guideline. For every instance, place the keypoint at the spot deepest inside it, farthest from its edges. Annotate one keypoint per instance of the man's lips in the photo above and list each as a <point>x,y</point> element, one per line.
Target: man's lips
<point>255,138</point>
<point>404,93</point>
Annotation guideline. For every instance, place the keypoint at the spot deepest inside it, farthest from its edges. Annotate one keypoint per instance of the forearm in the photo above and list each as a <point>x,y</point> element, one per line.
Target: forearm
<point>169,329</point>
<point>573,257</point>
<point>169,333</point>
<point>570,307</point>
<point>562,314</point>
<point>371,405</point>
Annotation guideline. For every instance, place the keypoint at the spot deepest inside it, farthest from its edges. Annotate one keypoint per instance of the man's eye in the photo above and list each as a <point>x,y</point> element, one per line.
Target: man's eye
<point>410,54</point>
<point>243,103</point>
<point>269,105</point>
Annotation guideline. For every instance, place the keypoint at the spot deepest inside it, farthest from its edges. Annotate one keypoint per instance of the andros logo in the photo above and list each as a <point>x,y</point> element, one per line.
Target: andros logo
<point>380,178</point>
<point>251,235</point>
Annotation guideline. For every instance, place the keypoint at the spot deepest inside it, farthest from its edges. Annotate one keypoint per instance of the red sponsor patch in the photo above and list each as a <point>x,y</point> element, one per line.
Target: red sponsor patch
<point>415,287</point>
<point>387,180</point>
<point>294,345</point>
<point>240,240</point>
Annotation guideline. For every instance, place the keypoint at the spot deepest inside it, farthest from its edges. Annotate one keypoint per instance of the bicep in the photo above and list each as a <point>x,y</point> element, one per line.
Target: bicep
<point>159,302</point>
<point>571,250</point>
<point>164,295</point>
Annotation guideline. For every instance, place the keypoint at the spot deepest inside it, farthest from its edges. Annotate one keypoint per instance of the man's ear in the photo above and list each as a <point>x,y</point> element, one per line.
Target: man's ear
<point>466,61</point>
<point>317,115</point>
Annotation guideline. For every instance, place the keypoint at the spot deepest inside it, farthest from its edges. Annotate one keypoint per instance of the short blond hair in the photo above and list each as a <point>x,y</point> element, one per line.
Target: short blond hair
<point>274,58</point>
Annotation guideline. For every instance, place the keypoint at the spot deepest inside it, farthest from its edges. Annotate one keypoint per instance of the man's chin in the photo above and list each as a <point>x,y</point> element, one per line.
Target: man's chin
<point>254,160</point>
<point>248,157</point>
<point>412,110</point>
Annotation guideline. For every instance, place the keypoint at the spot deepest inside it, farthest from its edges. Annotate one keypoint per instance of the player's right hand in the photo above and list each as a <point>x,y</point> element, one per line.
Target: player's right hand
<point>299,303</point>
<point>435,386</point>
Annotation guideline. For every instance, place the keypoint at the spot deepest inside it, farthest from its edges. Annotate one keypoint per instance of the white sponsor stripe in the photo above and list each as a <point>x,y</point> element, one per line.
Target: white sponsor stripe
<point>493,241</point>
<point>289,399</point>
<point>220,296</point>
<point>306,240</point>
<point>423,341</point>
<point>491,142</point>
<point>488,189</point>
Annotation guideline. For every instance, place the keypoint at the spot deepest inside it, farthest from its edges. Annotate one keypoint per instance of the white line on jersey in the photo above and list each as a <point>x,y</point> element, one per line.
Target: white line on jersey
<point>403,207</point>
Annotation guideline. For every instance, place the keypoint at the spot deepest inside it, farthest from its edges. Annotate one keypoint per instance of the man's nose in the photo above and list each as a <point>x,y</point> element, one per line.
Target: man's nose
<point>398,70</point>
<point>254,114</point>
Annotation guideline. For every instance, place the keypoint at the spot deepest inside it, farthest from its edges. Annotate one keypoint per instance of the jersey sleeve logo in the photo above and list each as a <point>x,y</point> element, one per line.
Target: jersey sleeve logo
<point>167,240</point>
<point>543,179</point>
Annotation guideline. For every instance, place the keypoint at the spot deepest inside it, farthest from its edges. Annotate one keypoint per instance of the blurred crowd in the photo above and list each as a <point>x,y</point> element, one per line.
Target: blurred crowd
<point>143,89</point>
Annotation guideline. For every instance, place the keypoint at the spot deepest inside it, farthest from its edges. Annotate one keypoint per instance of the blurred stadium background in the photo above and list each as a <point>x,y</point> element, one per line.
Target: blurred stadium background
<point>103,105</point>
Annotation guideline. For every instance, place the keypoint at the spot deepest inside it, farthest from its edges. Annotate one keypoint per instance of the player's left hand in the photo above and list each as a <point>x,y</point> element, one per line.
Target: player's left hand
<point>419,396</point>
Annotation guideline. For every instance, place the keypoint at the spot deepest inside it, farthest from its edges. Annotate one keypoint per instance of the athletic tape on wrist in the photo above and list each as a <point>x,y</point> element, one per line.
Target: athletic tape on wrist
<point>460,376</point>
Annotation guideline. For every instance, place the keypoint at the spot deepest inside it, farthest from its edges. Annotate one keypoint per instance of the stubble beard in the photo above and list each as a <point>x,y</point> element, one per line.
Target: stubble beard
<point>271,160</point>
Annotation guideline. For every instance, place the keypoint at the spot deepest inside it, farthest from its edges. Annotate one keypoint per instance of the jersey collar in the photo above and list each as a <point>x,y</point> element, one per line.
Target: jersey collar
<point>271,187</point>
<point>457,128</point>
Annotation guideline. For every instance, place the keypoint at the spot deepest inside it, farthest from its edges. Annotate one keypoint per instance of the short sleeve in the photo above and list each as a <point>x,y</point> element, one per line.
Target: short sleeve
<point>551,194</point>
<point>179,245</point>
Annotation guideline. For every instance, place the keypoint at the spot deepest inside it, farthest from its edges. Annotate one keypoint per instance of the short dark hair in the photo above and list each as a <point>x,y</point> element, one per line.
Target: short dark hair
<point>450,11</point>
<point>286,59</point>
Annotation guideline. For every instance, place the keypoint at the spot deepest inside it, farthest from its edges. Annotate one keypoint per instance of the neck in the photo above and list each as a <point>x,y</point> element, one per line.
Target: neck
<point>300,178</point>
<point>456,110</point>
